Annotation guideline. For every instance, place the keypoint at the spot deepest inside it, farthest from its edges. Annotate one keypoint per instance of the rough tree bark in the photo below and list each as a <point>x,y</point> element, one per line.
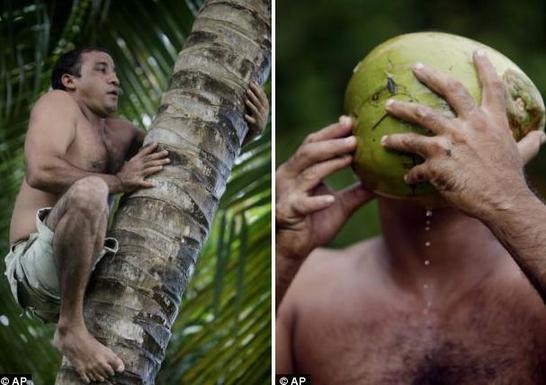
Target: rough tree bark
<point>133,298</point>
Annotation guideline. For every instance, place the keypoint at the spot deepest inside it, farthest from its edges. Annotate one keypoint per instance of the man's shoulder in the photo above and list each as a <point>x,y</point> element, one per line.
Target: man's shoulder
<point>326,267</point>
<point>56,98</point>
<point>327,259</point>
<point>330,274</point>
<point>53,110</point>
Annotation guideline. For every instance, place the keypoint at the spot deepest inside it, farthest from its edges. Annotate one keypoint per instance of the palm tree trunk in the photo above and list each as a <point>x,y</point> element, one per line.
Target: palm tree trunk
<point>134,297</point>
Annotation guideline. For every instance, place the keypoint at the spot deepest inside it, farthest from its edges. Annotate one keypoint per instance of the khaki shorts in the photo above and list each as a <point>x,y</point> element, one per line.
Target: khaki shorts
<point>32,272</point>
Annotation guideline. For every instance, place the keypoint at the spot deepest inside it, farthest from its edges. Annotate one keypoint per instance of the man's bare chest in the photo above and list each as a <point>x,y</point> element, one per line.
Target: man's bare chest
<point>474,346</point>
<point>96,150</point>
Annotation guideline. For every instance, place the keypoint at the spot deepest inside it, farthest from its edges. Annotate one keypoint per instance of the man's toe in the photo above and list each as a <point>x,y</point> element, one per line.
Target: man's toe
<point>87,377</point>
<point>84,377</point>
<point>108,369</point>
<point>120,367</point>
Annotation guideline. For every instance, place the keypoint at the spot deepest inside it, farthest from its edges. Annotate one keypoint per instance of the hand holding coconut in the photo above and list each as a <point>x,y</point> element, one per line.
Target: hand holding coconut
<point>475,163</point>
<point>472,159</point>
<point>308,213</point>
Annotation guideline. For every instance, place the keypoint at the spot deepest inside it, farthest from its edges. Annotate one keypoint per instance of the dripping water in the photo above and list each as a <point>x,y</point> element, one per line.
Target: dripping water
<point>426,263</point>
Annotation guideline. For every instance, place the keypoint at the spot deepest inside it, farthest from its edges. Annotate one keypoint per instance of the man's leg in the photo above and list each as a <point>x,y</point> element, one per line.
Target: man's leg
<point>79,222</point>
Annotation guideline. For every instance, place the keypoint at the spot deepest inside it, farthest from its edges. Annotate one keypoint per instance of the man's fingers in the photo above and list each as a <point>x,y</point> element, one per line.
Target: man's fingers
<point>311,153</point>
<point>254,99</point>
<point>529,146</point>
<point>157,155</point>
<point>414,143</point>
<point>351,198</point>
<point>151,170</point>
<point>259,92</point>
<point>418,114</point>
<point>450,89</point>
<point>336,130</point>
<point>250,119</point>
<point>145,184</point>
<point>148,149</point>
<point>156,163</point>
<point>305,205</point>
<point>493,92</point>
<point>312,176</point>
<point>417,174</point>
<point>252,108</point>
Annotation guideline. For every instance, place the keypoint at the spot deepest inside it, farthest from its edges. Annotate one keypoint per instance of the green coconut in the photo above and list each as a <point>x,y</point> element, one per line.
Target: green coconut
<point>386,73</point>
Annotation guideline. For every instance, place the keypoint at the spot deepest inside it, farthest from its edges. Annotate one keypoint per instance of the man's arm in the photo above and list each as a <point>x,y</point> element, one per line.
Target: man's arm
<point>52,128</point>
<point>137,139</point>
<point>283,344</point>
<point>474,162</point>
<point>286,268</point>
<point>308,214</point>
<point>521,227</point>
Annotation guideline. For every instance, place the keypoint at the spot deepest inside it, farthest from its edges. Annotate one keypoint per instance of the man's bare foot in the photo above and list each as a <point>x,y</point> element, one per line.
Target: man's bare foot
<point>92,360</point>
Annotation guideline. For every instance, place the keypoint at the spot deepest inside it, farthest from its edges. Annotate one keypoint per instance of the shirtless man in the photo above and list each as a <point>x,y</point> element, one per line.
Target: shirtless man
<point>77,153</point>
<point>437,299</point>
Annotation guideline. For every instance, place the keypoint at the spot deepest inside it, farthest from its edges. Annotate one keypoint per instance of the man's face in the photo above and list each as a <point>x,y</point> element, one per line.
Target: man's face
<point>98,85</point>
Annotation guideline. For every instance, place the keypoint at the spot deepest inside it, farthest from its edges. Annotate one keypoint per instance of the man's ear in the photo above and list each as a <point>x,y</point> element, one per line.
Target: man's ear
<point>68,82</point>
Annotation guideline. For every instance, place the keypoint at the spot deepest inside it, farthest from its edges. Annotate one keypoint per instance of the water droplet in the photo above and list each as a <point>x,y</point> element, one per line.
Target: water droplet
<point>4,320</point>
<point>427,262</point>
<point>427,228</point>
<point>427,243</point>
<point>428,213</point>
<point>427,223</point>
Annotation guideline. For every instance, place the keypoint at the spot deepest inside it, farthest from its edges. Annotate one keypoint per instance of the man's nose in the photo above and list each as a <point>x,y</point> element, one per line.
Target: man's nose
<point>114,80</point>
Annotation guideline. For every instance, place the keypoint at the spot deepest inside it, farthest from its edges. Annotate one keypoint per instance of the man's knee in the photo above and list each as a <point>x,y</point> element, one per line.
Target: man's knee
<point>89,195</point>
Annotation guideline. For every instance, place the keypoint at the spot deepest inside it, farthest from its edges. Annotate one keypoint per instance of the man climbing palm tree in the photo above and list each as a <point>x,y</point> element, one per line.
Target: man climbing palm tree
<point>78,154</point>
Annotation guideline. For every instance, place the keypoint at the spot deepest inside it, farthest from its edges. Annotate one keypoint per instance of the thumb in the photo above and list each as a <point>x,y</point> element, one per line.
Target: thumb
<point>353,197</point>
<point>529,146</point>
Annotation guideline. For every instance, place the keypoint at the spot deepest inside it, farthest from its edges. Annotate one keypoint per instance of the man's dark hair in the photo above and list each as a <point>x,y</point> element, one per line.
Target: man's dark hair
<point>70,63</point>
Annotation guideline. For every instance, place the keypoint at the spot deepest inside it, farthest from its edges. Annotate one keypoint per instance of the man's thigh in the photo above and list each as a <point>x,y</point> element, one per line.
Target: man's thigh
<point>87,196</point>
<point>57,211</point>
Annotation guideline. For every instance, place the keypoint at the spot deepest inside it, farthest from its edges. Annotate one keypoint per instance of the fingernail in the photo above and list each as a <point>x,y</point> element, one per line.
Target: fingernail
<point>345,120</point>
<point>418,66</point>
<point>384,140</point>
<point>350,140</point>
<point>329,199</point>
<point>480,53</point>
<point>389,103</point>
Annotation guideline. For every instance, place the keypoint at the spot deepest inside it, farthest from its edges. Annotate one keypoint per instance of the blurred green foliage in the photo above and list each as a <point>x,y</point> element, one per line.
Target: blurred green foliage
<point>319,42</point>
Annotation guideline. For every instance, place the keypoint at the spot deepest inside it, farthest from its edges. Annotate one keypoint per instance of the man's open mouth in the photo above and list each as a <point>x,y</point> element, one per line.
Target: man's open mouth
<point>113,93</point>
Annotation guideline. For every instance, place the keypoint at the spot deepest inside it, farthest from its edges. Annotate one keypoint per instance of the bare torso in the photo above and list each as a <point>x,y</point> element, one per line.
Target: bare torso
<point>350,323</point>
<point>94,149</point>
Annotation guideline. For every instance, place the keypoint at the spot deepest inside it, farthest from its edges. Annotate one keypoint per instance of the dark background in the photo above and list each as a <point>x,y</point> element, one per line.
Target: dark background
<point>319,42</point>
